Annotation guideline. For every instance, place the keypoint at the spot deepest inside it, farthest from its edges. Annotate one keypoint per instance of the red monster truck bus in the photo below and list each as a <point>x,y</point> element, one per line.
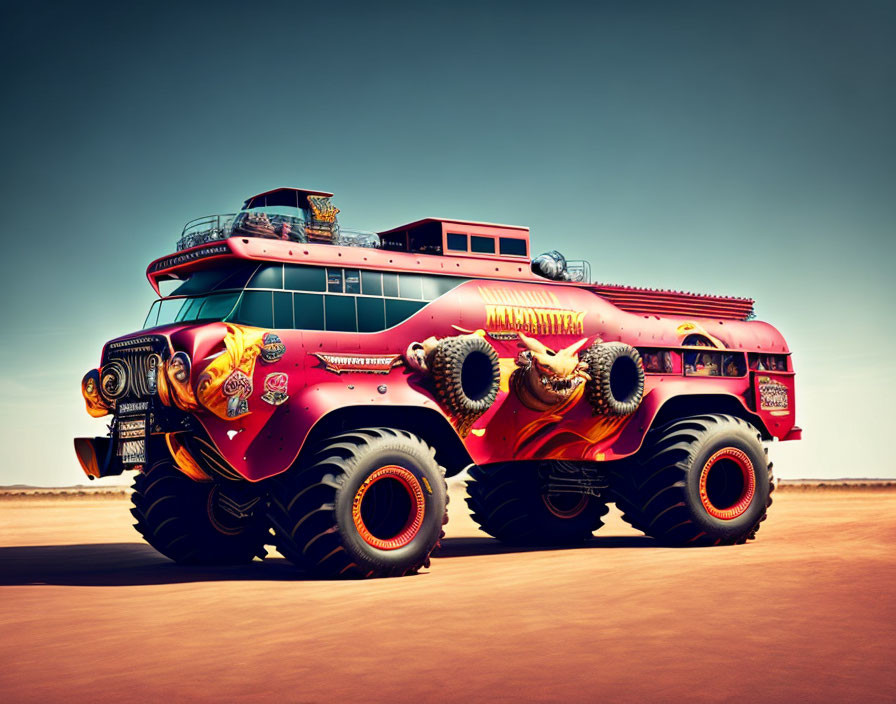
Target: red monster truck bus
<point>311,387</point>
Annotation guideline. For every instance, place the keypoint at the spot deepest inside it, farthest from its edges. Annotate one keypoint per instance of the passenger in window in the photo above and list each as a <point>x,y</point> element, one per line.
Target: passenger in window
<point>667,362</point>
<point>703,364</point>
<point>733,366</point>
<point>658,362</point>
<point>711,364</point>
<point>254,225</point>
<point>287,228</point>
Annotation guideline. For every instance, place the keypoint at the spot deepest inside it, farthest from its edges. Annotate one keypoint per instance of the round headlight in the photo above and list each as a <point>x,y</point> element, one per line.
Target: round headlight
<point>90,384</point>
<point>90,389</point>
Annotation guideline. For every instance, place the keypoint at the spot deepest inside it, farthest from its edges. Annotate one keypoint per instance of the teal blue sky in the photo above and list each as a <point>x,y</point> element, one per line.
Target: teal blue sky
<point>736,148</point>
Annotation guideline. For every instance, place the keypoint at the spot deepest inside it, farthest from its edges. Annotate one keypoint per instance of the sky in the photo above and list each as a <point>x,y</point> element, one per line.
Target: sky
<point>733,148</point>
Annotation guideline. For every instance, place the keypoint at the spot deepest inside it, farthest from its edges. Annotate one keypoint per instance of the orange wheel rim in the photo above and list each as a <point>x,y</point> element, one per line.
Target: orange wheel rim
<point>731,457</point>
<point>406,479</point>
<point>566,513</point>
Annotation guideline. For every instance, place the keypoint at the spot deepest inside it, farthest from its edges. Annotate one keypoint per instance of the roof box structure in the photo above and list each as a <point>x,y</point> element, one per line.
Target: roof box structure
<point>459,238</point>
<point>289,197</point>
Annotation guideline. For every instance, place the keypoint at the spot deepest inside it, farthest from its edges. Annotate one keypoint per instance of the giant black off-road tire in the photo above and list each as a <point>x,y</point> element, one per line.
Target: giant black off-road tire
<point>704,480</point>
<point>508,501</point>
<point>369,503</point>
<point>466,373</point>
<point>616,386</point>
<point>184,521</point>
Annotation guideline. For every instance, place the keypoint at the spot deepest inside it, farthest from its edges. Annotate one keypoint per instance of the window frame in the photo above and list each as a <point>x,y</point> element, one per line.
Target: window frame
<point>427,287</point>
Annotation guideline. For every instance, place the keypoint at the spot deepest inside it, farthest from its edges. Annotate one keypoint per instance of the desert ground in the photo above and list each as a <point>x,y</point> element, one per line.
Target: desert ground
<point>804,613</point>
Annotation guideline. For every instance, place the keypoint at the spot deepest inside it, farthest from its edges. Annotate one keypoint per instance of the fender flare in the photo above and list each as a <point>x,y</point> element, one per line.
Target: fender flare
<point>657,409</point>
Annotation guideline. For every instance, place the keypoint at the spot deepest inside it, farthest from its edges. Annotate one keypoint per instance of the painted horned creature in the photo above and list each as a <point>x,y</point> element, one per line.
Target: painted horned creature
<point>545,378</point>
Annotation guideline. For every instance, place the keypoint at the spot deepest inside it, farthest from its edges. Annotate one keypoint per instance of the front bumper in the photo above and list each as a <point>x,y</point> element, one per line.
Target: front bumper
<point>97,457</point>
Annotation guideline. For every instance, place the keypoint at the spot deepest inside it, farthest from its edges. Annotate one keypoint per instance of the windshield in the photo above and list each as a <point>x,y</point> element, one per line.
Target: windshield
<point>213,306</point>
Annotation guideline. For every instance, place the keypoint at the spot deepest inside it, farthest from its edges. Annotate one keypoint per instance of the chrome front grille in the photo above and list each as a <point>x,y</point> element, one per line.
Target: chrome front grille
<point>131,368</point>
<point>141,366</point>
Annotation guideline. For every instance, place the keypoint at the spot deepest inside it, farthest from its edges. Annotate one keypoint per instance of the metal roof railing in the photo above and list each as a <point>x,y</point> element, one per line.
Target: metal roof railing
<point>214,228</point>
<point>210,228</point>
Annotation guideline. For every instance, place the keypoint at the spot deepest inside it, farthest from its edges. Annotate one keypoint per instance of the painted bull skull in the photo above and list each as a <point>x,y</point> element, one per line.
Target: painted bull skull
<point>546,378</point>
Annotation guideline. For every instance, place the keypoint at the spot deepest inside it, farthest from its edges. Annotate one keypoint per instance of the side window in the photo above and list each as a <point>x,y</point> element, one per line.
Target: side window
<point>512,246</point>
<point>371,314</point>
<point>482,245</point>
<point>282,309</point>
<point>268,276</point>
<point>309,311</point>
<point>390,285</point>
<point>217,306</point>
<point>733,365</point>
<point>702,363</point>
<point>398,311</point>
<point>340,313</point>
<point>355,301</point>
<point>759,362</point>
<point>435,286</point>
<point>657,361</point>
<point>371,283</point>
<point>256,309</point>
<point>334,280</point>
<point>410,286</point>
<point>304,278</point>
<point>457,242</point>
<point>352,281</point>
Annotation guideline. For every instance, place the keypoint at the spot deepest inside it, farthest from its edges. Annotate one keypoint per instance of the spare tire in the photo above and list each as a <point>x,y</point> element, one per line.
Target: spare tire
<point>466,374</point>
<point>616,386</point>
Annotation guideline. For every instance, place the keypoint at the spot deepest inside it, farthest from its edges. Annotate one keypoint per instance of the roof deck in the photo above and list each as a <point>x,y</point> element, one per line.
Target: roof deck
<point>301,226</point>
<point>305,216</point>
<point>262,249</point>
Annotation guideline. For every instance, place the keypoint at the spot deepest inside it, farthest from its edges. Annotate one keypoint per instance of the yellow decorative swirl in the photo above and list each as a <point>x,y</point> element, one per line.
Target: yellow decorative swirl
<point>242,346</point>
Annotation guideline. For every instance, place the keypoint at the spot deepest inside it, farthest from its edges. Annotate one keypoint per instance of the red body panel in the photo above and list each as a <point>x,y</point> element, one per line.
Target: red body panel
<point>773,400</point>
<point>639,300</point>
<point>267,440</point>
